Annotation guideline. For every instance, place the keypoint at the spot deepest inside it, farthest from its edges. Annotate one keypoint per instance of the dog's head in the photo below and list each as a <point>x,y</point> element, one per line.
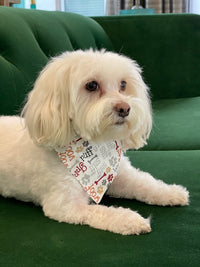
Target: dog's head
<point>96,94</point>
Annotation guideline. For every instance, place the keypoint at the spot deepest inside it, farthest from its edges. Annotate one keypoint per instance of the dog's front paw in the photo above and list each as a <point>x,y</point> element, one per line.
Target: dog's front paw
<point>130,223</point>
<point>171,195</point>
<point>168,195</point>
<point>117,220</point>
<point>177,196</point>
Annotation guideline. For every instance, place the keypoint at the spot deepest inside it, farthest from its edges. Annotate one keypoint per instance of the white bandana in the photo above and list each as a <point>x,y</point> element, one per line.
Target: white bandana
<point>93,165</point>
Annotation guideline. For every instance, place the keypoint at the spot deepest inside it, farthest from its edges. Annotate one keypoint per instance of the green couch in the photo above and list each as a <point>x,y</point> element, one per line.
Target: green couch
<point>168,49</point>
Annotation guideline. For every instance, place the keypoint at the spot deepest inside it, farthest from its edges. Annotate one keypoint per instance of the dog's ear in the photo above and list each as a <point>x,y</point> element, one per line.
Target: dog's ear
<point>46,112</point>
<point>140,134</point>
<point>142,111</point>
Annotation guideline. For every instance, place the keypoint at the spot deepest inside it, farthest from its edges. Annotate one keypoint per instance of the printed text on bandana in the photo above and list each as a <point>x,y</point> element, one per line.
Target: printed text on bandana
<point>93,165</point>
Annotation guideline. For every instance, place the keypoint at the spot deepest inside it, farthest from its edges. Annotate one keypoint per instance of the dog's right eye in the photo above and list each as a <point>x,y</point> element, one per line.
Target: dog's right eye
<point>92,86</point>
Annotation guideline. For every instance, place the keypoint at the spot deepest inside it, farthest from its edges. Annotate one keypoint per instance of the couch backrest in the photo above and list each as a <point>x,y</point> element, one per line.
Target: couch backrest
<point>28,38</point>
<point>167,46</point>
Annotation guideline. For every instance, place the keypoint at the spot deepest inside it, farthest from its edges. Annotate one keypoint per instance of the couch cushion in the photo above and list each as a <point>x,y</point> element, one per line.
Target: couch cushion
<point>176,125</point>
<point>165,45</point>
<point>28,238</point>
<point>28,38</point>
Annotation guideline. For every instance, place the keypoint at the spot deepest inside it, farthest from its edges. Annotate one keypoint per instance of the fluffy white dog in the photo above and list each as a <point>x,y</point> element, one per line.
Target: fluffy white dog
<point>97,98</point>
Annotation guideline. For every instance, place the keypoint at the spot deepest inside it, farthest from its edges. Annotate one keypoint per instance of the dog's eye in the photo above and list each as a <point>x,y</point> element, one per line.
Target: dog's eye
<point>92,86</point>
<point>123,86</point>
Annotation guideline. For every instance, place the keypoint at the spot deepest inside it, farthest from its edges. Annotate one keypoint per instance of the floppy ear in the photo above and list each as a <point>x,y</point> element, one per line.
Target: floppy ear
<point>142,116</point>
<point>46,112</point>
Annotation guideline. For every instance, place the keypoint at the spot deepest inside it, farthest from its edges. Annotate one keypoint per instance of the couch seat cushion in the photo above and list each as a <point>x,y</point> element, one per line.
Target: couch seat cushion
<point>28,238</point>
<point>176,125</point>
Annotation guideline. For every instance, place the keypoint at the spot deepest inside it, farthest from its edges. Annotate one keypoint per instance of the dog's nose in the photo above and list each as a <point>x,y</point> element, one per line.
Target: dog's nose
<point>122,109</point>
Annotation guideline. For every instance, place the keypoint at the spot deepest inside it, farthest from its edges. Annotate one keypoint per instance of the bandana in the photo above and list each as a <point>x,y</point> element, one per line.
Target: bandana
<point>93,165</point>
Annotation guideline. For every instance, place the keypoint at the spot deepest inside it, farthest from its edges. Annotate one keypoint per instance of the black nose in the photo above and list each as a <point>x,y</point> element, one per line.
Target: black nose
<point>122,109</point>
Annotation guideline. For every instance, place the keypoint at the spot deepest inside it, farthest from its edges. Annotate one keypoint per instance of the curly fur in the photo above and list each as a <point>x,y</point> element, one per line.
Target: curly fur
<point>60,106</point>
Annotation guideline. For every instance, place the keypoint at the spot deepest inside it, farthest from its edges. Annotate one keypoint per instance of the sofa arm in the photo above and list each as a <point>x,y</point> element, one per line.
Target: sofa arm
<point>166,46</point>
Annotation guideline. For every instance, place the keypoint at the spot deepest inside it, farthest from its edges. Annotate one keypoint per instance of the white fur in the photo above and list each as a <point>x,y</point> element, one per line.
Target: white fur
<point>60,106</point>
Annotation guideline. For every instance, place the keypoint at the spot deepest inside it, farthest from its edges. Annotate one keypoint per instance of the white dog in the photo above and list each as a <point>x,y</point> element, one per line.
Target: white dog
<point>98,99</point>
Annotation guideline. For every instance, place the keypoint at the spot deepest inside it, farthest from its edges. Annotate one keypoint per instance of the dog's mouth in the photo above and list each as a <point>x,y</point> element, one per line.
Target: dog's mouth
<point>120,122</point>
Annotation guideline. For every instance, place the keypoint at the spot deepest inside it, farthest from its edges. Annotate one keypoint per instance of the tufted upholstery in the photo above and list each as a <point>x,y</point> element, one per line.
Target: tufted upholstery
<point>32,38</point>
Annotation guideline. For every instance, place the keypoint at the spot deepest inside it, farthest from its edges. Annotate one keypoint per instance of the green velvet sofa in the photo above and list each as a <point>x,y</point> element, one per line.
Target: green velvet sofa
<point>168,49</point>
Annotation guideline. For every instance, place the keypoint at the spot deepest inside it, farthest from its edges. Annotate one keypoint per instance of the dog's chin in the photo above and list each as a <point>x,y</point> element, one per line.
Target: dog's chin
<point>107,129</point>
<point>116,131</point>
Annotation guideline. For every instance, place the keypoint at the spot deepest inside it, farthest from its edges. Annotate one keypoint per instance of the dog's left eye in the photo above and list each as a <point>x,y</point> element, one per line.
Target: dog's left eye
<point>92,86</point>
<point>123,86</point>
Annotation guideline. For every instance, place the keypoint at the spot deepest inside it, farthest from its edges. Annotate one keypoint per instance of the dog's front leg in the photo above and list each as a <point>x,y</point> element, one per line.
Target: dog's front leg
<point>134,184</point>
<point>117,220</point>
